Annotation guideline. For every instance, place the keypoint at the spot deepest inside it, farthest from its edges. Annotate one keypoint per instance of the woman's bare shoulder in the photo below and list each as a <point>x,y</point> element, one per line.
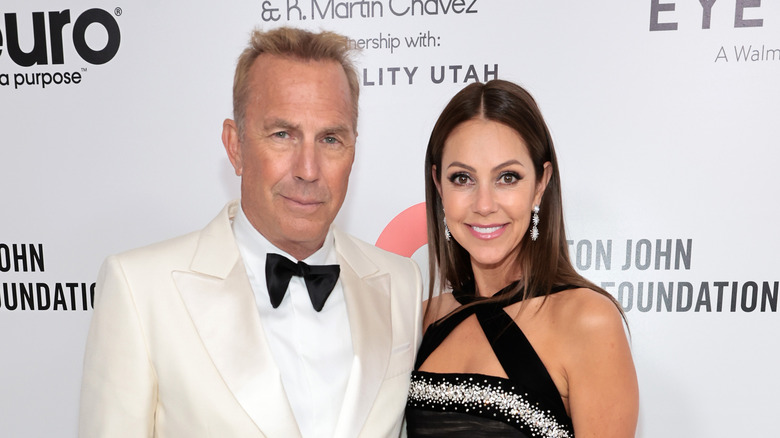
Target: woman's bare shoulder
<point>438,307</point>
<point>595,358</point>
<point>585,310</point>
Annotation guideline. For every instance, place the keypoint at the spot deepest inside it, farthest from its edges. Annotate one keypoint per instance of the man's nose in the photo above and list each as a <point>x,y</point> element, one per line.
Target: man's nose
<point>306,166</point>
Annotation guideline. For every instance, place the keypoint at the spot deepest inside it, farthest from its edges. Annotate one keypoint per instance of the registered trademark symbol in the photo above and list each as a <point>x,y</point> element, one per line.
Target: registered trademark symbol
<point>118,11</point>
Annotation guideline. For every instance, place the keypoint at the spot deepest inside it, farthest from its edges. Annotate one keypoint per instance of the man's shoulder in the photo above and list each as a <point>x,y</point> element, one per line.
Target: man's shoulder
<point>367,259</point>
<point>162,249</point>
<point>181,247</point>
<point>368,250</point>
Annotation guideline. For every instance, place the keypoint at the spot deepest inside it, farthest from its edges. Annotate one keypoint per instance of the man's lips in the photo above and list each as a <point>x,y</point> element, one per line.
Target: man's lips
<point>302,202</point>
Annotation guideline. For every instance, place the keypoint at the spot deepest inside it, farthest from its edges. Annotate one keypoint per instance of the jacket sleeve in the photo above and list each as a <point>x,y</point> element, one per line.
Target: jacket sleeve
<point>118,391</point>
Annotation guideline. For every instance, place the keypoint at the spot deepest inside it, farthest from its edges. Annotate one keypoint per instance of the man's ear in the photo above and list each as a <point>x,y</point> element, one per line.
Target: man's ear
<point>232,145</point>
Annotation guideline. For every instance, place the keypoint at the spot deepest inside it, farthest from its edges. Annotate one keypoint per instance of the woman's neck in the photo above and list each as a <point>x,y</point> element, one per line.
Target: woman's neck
<point>490,279</point>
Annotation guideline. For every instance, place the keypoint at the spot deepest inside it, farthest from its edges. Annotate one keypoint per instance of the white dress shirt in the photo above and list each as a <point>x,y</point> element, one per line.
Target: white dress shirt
<point>313,350</point>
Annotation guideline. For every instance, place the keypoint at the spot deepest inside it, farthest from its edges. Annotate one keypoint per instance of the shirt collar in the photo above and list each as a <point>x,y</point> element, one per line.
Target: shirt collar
<point>251,239</point>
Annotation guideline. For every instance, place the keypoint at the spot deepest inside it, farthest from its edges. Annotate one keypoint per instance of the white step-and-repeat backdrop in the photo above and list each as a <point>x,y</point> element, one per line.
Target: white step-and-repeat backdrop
<point>664,114</point>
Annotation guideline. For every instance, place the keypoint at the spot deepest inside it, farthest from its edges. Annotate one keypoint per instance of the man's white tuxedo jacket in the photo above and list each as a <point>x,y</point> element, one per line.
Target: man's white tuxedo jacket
<point>176,347</point>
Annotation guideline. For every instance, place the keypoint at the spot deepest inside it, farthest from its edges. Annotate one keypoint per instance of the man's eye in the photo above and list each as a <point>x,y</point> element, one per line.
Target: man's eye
<point>281,134</point>
<point>330,140</point>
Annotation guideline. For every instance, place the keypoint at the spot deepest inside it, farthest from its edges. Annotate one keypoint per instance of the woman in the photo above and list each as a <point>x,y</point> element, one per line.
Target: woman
<point>523,346</point>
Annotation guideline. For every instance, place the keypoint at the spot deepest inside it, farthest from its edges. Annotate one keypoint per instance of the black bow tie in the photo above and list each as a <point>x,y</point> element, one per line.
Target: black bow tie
<point>320,280</point>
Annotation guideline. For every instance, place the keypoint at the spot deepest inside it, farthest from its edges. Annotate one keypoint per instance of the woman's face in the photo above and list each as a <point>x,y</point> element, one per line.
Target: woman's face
<point>488,188</point>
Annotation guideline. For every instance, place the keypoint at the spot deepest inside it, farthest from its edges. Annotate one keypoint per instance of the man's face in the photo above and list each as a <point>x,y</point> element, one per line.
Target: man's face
<point>296,152</point>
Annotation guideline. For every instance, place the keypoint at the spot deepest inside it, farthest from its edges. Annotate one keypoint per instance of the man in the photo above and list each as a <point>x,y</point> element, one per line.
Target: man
<point>202,336</point>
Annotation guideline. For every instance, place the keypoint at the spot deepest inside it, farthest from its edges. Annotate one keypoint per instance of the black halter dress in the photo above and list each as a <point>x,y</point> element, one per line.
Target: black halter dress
<point>526,404</point>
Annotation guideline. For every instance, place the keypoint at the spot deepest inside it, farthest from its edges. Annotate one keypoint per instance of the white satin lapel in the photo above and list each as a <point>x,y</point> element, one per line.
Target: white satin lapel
<point>225,316</point>
<point>368,307</point>
<point>222,307</point>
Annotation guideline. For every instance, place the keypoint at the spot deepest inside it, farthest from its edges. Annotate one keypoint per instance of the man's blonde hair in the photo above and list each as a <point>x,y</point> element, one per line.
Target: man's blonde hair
<point>297,44</point>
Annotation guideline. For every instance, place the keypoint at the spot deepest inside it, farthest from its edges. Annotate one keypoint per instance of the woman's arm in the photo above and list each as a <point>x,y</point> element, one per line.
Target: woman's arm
<point>602,383</point>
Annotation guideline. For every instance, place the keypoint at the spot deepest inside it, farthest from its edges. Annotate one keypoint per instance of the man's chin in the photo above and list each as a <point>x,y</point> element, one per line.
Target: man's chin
<point>305,233</point>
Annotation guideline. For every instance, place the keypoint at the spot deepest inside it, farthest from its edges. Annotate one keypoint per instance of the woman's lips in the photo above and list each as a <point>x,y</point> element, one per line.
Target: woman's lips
<point>487,231</point>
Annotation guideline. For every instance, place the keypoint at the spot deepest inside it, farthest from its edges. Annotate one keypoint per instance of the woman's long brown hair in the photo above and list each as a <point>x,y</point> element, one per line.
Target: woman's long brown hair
<point>544,263</point>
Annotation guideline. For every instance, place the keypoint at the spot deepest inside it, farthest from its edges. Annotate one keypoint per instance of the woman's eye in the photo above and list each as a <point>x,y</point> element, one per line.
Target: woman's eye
<point>509,178</point>
<point>460,179</point>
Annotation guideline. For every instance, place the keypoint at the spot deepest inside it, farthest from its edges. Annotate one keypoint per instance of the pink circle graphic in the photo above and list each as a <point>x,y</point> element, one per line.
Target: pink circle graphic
<point>406,233</point>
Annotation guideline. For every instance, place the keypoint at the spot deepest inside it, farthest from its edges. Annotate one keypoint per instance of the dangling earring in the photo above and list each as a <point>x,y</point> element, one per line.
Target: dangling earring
<point>447,234</point>
<point>535,220</point>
